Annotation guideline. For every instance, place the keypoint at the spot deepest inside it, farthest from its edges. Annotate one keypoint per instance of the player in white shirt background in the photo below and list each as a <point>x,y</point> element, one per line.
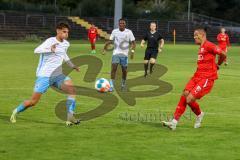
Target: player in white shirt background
<point>123,39</point>
<point>53,52</point>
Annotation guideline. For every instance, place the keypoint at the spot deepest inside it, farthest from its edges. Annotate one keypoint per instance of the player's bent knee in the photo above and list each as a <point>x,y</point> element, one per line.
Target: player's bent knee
<point>69,89</point>
<point>185,93</point>
<point>152,61</point>
<point>190,99</point>
<point>124,68</point>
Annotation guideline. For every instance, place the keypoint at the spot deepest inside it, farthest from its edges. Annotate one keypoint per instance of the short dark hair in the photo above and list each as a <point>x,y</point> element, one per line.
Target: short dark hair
<point>153,22</point>
<point>121,19</point>
<point>202,29</point>
<point>62,25</point>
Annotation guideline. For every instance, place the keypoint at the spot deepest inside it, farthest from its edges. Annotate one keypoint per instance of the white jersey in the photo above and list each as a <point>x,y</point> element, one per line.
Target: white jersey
<point>50,63</point>
<point>121,41</point>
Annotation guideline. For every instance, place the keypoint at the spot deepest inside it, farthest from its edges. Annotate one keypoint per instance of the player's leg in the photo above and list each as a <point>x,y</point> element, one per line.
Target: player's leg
<point>26,104</point>
<point>186,98</point>
<point>124,65</point>
<point>203,87</point>
<point>68,87</point>
<point>93,47</point>
<point>41,86</point>
<point>152,63</point>
<point>153,59</point>
<point>191,101</point>
<point>115,62</point>
<point>146,62</point>
<point>181,107</point>
<point>113,76</point>
<point>90,41</point>
<point>124,77</point>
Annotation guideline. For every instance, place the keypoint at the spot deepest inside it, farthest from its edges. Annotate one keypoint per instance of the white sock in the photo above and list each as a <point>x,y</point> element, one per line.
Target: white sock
<point>174,121</point>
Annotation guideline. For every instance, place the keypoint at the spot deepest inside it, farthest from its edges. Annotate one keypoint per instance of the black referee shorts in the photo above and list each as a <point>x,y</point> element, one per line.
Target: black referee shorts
<point>151,53</point>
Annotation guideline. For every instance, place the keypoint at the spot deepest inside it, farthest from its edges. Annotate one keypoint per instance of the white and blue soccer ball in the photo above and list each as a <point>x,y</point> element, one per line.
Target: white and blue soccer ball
<point>102,85</point>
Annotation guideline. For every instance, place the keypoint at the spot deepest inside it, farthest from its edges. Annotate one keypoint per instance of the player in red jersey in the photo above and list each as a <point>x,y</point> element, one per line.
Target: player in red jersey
<point>223,42</point>
<point>92,37</point>
<point>202,81</point>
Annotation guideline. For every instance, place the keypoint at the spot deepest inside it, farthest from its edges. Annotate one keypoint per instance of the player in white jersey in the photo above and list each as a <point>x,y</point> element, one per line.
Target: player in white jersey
<point>53,52</point>
<point>122,38</point>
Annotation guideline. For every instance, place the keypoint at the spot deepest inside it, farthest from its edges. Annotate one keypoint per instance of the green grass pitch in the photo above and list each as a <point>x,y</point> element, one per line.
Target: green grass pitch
<point>39,134</point>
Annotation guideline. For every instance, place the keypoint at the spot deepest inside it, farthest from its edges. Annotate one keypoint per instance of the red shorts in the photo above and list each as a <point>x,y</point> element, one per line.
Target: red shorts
<point>199,87</point>
<point>92,40</point>
<point>224,48</point>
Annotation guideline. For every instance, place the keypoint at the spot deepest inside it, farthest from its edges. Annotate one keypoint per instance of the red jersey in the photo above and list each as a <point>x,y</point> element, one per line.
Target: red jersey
<point>223,40</point>
<point>206,65</point>
<point>92,33</point>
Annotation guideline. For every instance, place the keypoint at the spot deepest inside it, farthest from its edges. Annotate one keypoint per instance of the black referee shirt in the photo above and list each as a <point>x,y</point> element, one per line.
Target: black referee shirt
<point>152,39</point>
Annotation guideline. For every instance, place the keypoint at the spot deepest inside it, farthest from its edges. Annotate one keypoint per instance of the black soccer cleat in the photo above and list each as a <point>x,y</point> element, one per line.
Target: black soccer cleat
<point>71,120</point>
<point>70,123</point>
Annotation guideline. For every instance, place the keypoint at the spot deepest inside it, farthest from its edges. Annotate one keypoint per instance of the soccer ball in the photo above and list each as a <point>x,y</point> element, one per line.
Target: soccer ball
<point>102,85</point>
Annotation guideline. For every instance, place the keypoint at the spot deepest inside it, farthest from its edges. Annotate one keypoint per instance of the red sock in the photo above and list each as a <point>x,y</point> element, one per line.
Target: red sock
<point>195,107</point>
<point>93,46</point>
<point>180,108</point>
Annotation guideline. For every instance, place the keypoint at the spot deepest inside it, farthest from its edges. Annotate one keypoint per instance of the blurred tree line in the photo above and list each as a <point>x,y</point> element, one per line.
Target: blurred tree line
<point>164,9</point>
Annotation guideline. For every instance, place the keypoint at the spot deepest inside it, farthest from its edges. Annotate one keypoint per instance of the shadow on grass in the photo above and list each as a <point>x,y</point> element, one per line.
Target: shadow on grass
<point>6,118</point>
<point>152,124</point>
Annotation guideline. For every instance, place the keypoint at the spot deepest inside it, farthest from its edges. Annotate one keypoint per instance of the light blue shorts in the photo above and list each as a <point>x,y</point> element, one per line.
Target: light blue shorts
<point>43,83</point>
<point>120,59</point>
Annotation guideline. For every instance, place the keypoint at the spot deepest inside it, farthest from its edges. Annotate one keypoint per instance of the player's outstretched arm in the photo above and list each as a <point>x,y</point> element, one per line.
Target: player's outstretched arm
<point>45,47</point>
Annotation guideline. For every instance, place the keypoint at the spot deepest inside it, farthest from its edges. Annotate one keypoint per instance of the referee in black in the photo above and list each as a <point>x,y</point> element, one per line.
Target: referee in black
<point>155,43</point>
